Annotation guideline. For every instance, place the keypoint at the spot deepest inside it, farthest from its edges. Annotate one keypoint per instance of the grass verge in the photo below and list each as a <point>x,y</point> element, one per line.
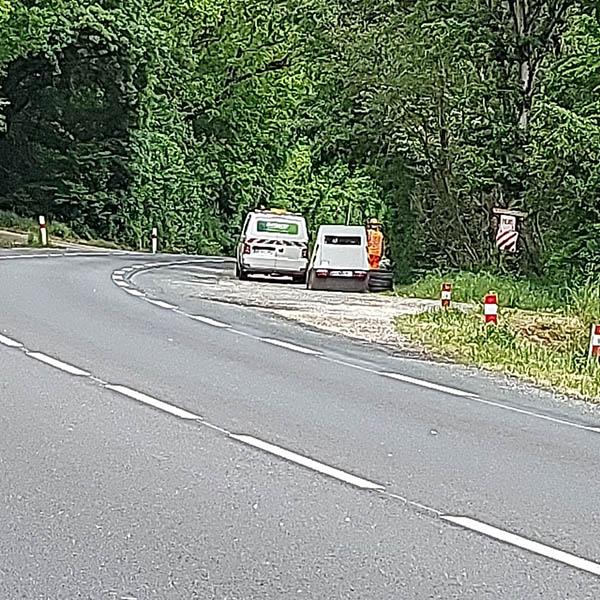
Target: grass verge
<point>549,349</point>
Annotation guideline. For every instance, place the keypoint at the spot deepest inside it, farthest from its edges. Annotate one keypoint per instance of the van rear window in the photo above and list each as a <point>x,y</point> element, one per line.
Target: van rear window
<point>277,227</point>
<point>343,240</point>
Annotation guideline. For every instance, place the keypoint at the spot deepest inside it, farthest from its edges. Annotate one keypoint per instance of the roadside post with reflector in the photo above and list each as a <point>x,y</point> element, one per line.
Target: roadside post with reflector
<point>154,240</point>
<point>446,295</point>
<point>43,231</point>
<point>594,351</point>
<point>490,308</point>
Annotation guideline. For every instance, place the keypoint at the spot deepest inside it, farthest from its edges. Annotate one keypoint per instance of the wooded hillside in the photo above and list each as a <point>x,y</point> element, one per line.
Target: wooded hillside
<point>118,114</point>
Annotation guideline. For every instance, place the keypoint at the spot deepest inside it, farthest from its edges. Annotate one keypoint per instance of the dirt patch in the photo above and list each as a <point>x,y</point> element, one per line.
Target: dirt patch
<point>368,317</point>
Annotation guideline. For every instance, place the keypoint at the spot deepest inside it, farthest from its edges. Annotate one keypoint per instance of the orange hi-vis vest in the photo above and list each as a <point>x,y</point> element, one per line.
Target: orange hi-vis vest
<point>375,242</point>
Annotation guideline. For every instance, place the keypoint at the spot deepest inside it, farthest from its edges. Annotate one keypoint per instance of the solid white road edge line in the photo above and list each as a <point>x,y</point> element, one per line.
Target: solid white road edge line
<point>160,303</point>
<point>524,543</point>
<point>309,463</point>
<point>154,402</point>
<point>208,321</point>
<point>59,364</point>
<point>5,341</point>
<point>530,413</point>
<point>475,398</point>
<point>289,346</point>
<point>427,384</point>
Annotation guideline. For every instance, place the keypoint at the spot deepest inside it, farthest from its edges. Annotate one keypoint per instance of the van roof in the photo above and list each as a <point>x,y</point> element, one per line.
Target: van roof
<point>277,213</point>
<point>342,230</point>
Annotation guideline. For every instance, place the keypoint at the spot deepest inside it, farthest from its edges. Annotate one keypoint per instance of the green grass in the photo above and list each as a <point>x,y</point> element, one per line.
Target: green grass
<point>57,230</point>
<point>549,349</point>
<point>543,331</point>
<point>472,287</point>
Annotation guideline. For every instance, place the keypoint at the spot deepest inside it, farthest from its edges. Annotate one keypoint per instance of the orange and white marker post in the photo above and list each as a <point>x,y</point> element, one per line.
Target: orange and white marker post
<point>43,231</point>
<point>490,308</point>
<point>154,240</point>
<point>594,351</point>
<point>446,295</point>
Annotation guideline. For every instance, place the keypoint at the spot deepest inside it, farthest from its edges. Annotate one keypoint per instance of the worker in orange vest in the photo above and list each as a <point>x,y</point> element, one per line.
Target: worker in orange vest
<point>375,243</point>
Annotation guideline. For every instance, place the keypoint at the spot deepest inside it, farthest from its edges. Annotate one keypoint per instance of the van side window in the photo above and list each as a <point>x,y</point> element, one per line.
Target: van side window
<point>343,240</point>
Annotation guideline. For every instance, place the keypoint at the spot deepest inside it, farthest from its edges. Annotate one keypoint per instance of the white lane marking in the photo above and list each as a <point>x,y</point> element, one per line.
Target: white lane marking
<point>58,364</point>
<point>122,284</point>
<point>309,463</point>
<point>14,257</point>
<point>428,384</point>
<point>160,303</point>
<point>6,341</point>
<point>525,544</point>
<point>244,334</point>
<point>117,277</point>
<point>154,402</point>
<point>118,273</point>
<point>289,346</point>
<point>208,321</point>
<point>530,413</point>
<point>475,398</point>
<point>424,507</point>
<point>135,293</point>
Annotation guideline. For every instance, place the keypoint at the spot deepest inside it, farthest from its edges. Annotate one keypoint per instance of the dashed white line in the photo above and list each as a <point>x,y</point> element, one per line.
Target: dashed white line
<point>309,463</point>
<point>160,303</point>
<point>209,321</point>
<point>136,293</point>
<point>289,346</point>
<point>59,364</point>
<point>525,543</point>
<point>118,273</point>
<point>6,341</point>
<point>122,284</point>
<point>428,384</point>
<point>154,402</point>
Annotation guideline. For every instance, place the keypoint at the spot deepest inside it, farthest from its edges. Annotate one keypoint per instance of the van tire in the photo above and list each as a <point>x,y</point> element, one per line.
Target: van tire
<point>240,273</point>
<point>381,281</point>
<point>310,281</point>
<point>301,279</point>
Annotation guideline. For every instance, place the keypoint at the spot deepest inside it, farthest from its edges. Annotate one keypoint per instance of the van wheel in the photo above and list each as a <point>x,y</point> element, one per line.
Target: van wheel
<point>381,281</point>
<point>240,273</point>
<point>310,281</point>
<point>299,278</point>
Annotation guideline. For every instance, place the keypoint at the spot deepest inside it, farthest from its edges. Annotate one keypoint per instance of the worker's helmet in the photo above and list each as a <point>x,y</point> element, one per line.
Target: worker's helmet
<point>373,222</point>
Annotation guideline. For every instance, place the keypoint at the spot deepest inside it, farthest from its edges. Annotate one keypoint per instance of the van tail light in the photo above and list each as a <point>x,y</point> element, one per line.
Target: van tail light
<point>247,249</point>
<point>360,274</point>
<point>322,272</point>
<point>304,252</point>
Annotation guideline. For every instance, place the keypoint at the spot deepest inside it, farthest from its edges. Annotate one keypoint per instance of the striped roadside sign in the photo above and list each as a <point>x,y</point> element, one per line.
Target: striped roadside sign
<point>507,240</point>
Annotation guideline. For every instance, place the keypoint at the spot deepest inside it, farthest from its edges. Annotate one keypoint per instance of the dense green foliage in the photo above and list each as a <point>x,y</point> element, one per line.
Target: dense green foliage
<point>118,114</point>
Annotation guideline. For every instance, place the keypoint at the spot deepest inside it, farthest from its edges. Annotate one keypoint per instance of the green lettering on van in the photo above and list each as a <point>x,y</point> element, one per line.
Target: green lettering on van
<point>277,227</point>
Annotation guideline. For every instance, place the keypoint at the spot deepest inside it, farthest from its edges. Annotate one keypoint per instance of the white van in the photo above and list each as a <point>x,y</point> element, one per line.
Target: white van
<point>339,260</point>
<point>273,242</point>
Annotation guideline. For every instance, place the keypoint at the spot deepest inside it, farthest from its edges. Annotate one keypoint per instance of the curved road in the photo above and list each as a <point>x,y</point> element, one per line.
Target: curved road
<point>157,446</point>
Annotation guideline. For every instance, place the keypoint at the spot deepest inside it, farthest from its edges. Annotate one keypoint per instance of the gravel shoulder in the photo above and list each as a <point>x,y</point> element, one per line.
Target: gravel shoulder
<point>366,317</point>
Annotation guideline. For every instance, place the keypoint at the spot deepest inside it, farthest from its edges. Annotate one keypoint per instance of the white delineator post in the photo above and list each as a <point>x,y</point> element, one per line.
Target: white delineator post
<point>43,231</point>
<point>154,240</point>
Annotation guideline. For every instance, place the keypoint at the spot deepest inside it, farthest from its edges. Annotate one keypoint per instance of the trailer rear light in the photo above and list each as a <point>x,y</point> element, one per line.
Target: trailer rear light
<point>247,249</point>
<point>322,272</point>
<point>360,274</point>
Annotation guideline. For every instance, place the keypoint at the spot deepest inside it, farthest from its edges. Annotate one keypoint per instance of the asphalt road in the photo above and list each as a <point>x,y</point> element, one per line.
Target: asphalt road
<point>188,449</point>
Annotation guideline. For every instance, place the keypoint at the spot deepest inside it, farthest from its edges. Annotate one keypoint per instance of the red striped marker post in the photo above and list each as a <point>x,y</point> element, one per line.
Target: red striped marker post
<point>594,351</point>
<point>446,295</point>
<point>490,308</point>
<point>154,240</point>
<point>43,231</point>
